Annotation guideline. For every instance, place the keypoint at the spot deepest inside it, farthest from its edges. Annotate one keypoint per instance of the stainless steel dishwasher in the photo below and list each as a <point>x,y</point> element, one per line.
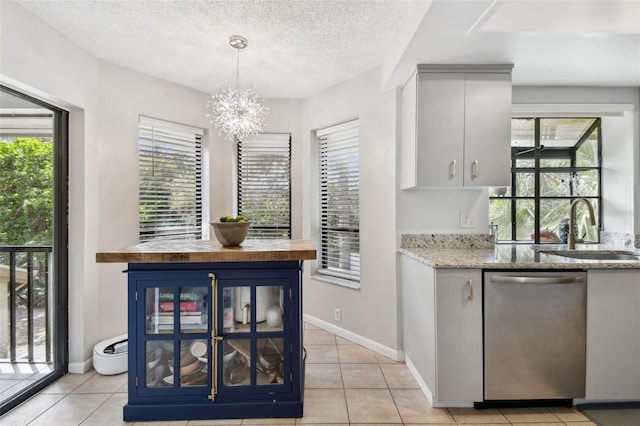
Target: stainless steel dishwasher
<point>534,335</point>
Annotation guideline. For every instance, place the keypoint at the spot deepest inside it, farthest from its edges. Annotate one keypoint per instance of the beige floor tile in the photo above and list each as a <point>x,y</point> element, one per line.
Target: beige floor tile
<point>356,354</point>
<point>371,406</point>
<point>473,416</point>
<point>533,414</point>
<point>309,326</point>
<point>68,383</point>
<point>109,413</point>
<point>343,341</point>
<point>538,424</point>
<point>362,376</point>
<point>322,376</point>
<point>587,423</point>
<point>73,409</point>
<point>168,423</point>
<point>224,422</point>
<point>414,408</point>
<point>568,414</point>
<point>398,376</point>
<point>383,359</point>
<point>102,384</point>
<point>319,337</point>
<point>322,354</point>
<point>324,406</point>
<point>272,422</point>
<point>29,410</point>
<point>324,424</point>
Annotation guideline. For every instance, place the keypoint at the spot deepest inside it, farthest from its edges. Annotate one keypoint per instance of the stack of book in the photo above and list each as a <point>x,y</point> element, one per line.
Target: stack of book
<point>163,312</point>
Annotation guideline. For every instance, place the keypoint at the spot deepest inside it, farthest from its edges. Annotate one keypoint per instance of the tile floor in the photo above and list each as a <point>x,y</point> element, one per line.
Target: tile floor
<point>345,384</point>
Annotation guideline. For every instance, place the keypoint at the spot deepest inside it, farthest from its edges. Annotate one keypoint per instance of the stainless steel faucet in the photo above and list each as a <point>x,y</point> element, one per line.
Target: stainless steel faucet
<point>572,220</point>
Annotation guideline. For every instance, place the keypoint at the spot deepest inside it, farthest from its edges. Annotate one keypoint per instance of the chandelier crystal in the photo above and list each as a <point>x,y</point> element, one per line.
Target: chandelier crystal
<point>236,111</point>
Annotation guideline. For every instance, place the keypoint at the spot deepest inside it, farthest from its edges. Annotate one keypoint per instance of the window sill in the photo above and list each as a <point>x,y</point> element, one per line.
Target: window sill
<point>353,285</point>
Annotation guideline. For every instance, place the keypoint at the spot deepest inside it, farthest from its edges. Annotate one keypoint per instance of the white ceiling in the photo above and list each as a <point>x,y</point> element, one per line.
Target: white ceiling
<point>300,47</point>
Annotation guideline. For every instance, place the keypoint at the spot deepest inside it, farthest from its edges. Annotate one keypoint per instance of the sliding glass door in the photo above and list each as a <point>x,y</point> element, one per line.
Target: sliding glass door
<point>33,246</point>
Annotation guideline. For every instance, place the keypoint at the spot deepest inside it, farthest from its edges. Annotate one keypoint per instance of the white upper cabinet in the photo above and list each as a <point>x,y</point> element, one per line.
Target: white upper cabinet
<point>456,127</point>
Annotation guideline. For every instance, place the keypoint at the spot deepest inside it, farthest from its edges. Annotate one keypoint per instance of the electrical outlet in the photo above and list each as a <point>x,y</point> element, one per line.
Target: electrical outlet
<point>337,314</point>
<point>467,220</point>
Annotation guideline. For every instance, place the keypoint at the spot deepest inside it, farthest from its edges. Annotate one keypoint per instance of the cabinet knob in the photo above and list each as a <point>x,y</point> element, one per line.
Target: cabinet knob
<point>452,169</point>
<point>469,289</point>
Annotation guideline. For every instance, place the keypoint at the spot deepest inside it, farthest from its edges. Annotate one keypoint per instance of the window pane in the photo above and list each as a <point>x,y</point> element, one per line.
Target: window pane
<point>551,213</point>
<point>500,191</point>
<point>522,163</point>
<point>525,215</point>
<point>500,215</point>
<point>170,166</point>
<point>563,132</point>
<point>555,162</point>
<point>522,132</point>
<point>586,183</point>
<point>587,154</point>
<point>555,184</point>
<point>525,185</point>
<point>264,185</point>
<point>340,200</point>
<point>585,229</point>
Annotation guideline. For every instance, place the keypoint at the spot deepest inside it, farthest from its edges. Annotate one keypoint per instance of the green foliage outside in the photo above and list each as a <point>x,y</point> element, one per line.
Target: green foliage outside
<point>26,192</point>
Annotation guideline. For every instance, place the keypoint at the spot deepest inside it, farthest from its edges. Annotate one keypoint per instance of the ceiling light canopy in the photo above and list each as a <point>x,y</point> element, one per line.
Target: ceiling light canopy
<point>236,111</point>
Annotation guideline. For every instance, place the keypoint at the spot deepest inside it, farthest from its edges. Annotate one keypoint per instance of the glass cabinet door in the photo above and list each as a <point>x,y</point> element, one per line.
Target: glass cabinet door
<point>176,341</point>
<point>252,338</point>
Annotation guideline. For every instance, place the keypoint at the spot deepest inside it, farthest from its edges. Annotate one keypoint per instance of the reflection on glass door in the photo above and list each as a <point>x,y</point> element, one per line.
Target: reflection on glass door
<point>33,241</point>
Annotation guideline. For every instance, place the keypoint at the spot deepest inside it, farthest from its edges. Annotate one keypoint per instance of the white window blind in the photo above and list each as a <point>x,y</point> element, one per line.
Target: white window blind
<point>340,200</point>
<point>170,162</point>
<point>264,184</point>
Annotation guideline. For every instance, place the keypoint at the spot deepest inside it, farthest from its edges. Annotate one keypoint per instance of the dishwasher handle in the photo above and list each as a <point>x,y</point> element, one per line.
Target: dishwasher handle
<point>509,279</point>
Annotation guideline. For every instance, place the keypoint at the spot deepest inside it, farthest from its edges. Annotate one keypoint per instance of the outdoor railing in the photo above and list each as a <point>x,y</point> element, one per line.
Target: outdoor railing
<point>25,295</point>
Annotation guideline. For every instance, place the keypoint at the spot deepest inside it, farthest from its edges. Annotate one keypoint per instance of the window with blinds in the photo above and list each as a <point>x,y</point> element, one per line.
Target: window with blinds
<point>339,200</point>
<point>170,162</point>
<point>264,184</point>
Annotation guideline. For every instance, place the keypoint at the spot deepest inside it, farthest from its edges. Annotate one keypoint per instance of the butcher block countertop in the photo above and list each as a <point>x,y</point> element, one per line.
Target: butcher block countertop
<point>169,251</point>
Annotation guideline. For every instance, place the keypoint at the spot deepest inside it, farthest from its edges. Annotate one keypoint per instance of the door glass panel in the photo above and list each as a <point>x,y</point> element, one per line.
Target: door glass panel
<point>193,362</point>
<point>158,353</point>
<point>242,309</point>
<point>269,308</point>
<point>270,361</point>
<point>193,309</point>
<point>159,310</point>
<point>236,362</point>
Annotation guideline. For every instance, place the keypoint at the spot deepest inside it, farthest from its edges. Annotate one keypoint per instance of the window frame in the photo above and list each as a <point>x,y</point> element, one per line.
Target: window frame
<point>348,277</point>
<point>184,143</point>
<point>255,228</point>
<point>537,154</point>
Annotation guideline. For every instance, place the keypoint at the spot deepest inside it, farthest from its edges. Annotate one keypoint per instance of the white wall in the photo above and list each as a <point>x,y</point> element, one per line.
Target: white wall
<point>369,312</point>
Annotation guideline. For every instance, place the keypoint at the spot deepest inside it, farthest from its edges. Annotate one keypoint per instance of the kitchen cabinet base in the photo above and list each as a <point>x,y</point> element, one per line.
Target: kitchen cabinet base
<point>235,410</point>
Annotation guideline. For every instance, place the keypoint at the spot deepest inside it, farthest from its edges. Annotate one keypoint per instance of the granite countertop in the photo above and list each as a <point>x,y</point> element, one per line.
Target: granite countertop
<point>456,252</point>
<point>166,251</point>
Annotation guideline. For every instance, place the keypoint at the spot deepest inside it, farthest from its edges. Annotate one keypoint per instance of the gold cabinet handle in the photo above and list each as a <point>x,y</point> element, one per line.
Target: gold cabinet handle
<point>469,288</point>
<point>215,339</point>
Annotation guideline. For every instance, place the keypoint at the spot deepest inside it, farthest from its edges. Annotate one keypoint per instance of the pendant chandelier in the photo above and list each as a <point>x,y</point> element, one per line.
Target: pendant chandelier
<point>236,111</point>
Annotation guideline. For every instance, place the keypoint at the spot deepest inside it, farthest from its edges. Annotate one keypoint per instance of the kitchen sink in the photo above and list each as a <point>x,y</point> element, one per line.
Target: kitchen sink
<point>595,254</point>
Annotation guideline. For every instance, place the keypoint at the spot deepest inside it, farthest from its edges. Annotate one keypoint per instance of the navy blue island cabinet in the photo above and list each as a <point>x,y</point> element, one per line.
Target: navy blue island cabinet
<point>215,339</point>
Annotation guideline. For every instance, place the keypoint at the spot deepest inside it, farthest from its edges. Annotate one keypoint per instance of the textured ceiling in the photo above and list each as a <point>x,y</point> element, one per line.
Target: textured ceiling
<point>300,47</point>
<point>296,48</point>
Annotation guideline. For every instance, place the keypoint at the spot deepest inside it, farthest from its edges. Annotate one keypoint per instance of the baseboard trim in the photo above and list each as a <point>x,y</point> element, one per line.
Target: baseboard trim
<point>394,354</point>
<point>80,367</point>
